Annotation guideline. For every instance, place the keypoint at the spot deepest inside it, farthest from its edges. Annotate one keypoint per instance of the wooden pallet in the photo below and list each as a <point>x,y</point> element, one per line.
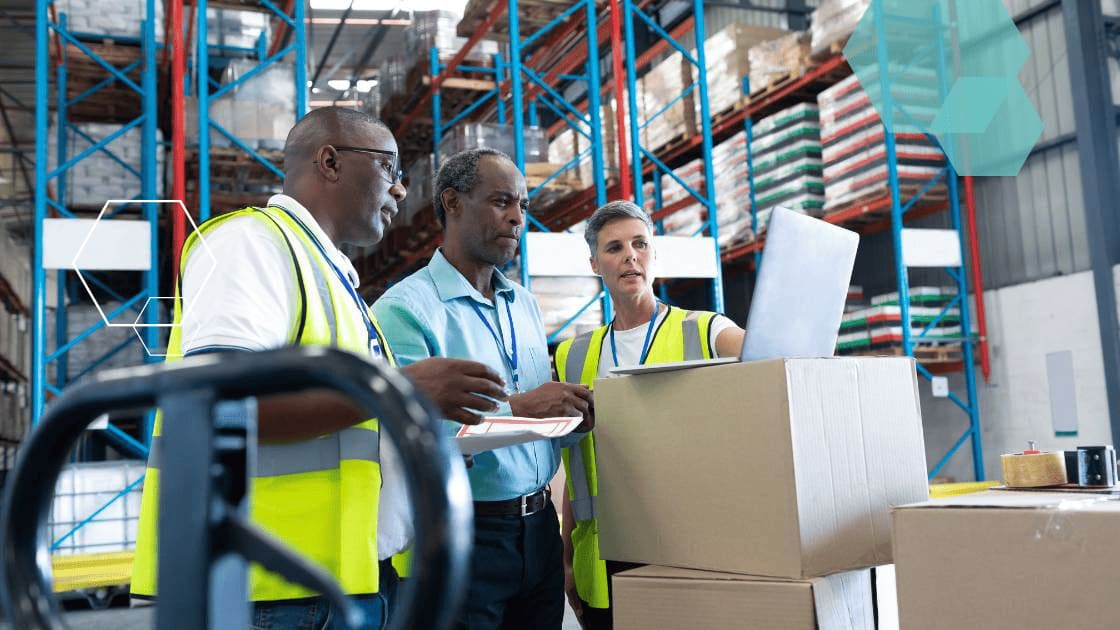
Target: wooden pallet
<point>949,353</point>
<point>779,82</point>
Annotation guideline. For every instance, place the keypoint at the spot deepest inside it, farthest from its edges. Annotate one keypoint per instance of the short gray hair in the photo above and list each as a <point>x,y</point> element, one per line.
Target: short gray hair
<point>613,211</point>
<point>460,172</point>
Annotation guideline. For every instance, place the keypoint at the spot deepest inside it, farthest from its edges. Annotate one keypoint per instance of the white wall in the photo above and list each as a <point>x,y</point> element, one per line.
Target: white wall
<point>1025,323</point>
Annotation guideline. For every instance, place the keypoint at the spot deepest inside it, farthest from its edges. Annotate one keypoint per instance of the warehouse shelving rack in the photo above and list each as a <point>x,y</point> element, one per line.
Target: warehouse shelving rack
<point>46,204</point>
<point>293,26</point>
<point>899,210</point>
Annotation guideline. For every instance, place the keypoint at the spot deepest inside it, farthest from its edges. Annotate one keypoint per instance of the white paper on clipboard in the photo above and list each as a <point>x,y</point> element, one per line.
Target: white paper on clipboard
<point>501,431</point>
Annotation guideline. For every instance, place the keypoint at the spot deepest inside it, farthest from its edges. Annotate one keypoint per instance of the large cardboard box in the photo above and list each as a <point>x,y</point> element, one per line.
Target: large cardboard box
<point>663,597</point>
<point>784,468</point>
<point>1008,559</point>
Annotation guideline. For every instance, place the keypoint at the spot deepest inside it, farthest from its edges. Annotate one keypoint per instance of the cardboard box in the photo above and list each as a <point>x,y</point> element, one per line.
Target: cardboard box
<point>1008,559</point>
<point>663,597</point>
<point>784,468</point>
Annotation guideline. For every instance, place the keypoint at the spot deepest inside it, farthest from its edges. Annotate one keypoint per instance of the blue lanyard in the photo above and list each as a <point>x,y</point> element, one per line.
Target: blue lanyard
<point>371,330</point>
<point>645,344</point>
<point>510,357</point>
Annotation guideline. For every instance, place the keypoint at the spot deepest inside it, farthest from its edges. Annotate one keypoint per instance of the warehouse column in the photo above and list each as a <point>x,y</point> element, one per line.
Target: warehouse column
<point>1096,146</point>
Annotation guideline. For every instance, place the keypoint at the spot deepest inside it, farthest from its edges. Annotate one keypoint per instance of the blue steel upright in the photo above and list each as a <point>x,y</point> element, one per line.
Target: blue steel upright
<point>898,210</point>
<point>641,155</point>
<point>555,102</point>
<point>45,177</point>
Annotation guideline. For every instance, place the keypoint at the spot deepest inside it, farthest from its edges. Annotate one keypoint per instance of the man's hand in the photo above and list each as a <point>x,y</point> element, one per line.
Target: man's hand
<point>573,595</point>
<point>553,400</point>
<point>456,385</point>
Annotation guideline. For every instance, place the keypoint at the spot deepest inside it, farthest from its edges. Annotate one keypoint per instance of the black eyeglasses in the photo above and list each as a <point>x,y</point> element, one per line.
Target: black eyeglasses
<point>392,168</point>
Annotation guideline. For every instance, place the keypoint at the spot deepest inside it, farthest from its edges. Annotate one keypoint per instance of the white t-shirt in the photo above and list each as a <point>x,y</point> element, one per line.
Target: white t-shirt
<point>244,298</point>
<point>630,343</point>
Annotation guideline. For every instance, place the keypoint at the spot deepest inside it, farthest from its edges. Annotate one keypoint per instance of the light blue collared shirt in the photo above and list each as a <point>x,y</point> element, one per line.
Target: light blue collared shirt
<point>430,314</point>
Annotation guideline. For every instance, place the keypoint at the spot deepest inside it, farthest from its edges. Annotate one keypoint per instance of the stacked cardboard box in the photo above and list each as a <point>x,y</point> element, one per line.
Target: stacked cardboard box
<point>878,327</point>
<point>833,22</point>
<point>99,177</point>
<point>777,59</point>
<point>733,190</point>
<point>854,148</point>
<point>727,53</point>
<point>1008,559</point>
<point>436,29</point>
<point>786,158</point>
<point>15,337</point>
<point>421,179</point>
<point>785,470</point>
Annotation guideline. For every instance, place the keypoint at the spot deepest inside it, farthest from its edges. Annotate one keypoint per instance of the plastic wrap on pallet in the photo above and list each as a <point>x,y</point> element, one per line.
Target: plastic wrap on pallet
<point>801,112</point>
<point>99,177</point>
<point>833,22</point>
<point>436,29</point>
<point>727,55</point>
<point>421,180</point>
<point>870,180</point>
<point>561,297</point>
<point>120,18</point>
<point>85,488</point>
<point>236,29</point>
<point>259,111</point>
<point>666,114</point>
<point>804,131</point>
<point>500,137</point>
<point>771,61</point>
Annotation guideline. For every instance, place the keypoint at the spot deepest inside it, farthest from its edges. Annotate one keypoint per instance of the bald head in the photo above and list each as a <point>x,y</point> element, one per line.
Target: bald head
<point>326,125</point>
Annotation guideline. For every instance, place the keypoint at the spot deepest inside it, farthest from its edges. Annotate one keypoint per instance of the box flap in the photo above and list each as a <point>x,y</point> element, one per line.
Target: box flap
<point>1019,500</point>
<point>655,571</point>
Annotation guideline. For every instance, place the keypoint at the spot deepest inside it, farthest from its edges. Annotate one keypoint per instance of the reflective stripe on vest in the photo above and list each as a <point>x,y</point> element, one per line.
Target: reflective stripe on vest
<point>324,453</point>
<point>583,503</point>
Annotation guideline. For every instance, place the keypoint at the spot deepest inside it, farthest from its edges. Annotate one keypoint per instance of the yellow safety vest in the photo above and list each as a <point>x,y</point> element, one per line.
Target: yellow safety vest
<point>682,335</point>
<point>318,496</point>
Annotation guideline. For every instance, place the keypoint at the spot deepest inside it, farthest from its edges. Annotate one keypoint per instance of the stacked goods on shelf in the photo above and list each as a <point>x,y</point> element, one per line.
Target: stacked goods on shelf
<point>421,178</point>
<point>15,355</point>
<point>95,179</point>
<point>786,161</point>
<point>732,190</point>
<point>82,490</point>
<point>854,148</point>
<point>235,29</point>
<point>727,53</point>
<point>500,137</point>
<point>687,220</point>
<point>561,297</point>
<point>832,23</point>
<point>777,59</point>
<point>569,143</point>
<point>877,329</point>
<point>531,15</point>
<point>117,18</point>
<point>667,115</point>
<point>436,29</point>
<point>260,111</point>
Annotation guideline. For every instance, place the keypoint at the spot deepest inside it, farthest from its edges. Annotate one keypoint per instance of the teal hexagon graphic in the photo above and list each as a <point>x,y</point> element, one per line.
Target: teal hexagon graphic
<point>951,69</point>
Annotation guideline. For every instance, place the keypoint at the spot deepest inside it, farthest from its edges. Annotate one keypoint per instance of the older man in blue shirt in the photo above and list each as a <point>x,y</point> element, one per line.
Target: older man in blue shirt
<point>461,306</point>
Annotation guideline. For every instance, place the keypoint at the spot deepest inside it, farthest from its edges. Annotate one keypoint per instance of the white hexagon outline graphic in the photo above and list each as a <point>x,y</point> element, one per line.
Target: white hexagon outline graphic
<point>135,326</point>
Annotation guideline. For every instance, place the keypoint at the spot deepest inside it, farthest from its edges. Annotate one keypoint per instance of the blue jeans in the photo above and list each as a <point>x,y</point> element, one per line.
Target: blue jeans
<point>319,614</point>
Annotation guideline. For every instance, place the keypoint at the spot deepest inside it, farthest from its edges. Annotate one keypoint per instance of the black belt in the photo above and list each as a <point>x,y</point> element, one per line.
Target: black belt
<point>519,506</point>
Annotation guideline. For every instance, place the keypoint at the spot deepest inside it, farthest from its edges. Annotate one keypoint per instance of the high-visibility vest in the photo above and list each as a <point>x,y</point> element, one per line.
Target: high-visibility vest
<point>683,335</point>
<point>318,496</point>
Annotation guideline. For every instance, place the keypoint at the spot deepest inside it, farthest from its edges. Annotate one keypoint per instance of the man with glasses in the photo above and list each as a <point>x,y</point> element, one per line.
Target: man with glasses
<point>280,279</point>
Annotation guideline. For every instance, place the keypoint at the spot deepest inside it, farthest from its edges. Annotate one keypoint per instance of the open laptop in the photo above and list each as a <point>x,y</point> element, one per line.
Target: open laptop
<point>799,293</point>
